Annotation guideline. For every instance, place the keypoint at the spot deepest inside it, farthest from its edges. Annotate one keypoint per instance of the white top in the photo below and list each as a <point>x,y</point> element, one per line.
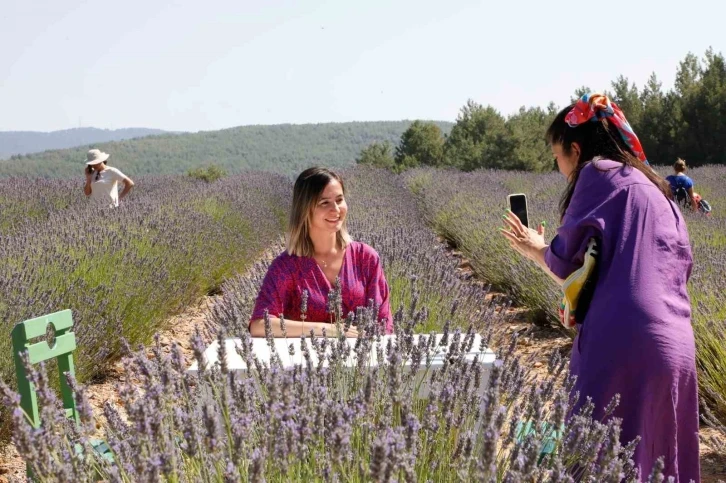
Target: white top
<point>105,190</point>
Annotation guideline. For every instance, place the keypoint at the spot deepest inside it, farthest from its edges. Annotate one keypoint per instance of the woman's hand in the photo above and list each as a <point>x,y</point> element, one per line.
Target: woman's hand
<point>526,241</point>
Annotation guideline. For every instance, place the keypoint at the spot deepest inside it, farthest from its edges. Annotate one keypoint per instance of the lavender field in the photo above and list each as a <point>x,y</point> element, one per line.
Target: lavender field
<point>125,272</point>
<point>466,208</point>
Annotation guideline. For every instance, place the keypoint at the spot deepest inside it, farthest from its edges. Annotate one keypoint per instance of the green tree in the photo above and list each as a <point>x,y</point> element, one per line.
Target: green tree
<point>209,173</point>
<point>658,123</point>
<point>478,139</point>
<point>527,148</point>
<point>687,75</point>
<point>378,154</point>
<point>702,87</point>
<point>627,97</point>
<point>421,144</point>
<point>579,92</point>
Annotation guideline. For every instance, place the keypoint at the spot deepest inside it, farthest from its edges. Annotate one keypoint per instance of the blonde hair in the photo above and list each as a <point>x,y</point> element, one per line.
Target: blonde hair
<point>309,185</point>
<point>680,165</point>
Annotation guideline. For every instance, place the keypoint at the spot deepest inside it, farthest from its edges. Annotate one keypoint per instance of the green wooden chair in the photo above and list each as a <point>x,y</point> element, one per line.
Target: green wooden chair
<point>62,350</point>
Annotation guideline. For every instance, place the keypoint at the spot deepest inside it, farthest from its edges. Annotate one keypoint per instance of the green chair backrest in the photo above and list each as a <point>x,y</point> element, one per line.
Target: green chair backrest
<point>62,350</point>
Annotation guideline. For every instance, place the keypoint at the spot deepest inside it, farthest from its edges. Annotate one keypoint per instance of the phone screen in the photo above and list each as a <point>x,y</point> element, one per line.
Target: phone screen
<point>518,205</point>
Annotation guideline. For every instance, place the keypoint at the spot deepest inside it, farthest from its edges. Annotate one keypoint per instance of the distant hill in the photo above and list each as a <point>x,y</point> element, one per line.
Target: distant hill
<point>284,148</point>
<point>25,142</point>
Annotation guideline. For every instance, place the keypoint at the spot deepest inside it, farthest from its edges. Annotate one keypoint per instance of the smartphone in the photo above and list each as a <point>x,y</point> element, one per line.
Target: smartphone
<point>89,169</point>
<point>518,204</point>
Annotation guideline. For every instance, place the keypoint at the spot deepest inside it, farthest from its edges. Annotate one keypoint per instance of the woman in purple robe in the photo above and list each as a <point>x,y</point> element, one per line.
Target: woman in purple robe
<point>319,252</point>
<point>635,339</point>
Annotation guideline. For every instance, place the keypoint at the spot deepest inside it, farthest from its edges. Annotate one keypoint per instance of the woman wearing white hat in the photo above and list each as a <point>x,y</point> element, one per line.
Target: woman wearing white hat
<point>103,185</point>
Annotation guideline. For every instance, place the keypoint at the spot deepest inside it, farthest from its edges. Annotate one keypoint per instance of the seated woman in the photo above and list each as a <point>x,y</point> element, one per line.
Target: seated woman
<point>319,251</point>
<point>682,185</point>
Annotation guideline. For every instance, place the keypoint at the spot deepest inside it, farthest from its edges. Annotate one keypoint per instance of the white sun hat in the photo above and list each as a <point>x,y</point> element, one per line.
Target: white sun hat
<point>96,156</point>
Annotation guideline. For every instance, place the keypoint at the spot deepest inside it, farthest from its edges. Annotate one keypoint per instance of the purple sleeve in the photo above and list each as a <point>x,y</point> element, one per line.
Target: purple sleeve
<point>585,218</point>
<point>566,253</point>
<point>378,291</point>
<point>276,289</point>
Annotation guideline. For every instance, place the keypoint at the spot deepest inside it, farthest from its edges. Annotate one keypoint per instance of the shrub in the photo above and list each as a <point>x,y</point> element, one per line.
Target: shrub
<point>209,173</point>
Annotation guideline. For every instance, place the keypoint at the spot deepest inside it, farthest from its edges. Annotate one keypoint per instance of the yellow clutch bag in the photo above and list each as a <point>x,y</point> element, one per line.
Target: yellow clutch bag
<point>573,285</point>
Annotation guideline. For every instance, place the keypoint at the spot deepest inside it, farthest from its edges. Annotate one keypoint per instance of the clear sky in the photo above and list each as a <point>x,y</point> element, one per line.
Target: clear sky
<point>210,64</point>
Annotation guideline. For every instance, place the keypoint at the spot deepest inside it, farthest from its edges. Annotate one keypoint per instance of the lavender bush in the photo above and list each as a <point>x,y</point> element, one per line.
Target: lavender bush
<point>124,271</point>
<point>466,209</point>
<point>26,200</point>
<point>325,423</point>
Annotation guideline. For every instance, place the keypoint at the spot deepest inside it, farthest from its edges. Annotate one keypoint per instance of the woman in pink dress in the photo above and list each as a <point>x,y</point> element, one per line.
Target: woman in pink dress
<point>319,252</point>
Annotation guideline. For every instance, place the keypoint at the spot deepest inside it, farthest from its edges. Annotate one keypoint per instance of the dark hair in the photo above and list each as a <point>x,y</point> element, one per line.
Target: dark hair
<point>98,173</point>
<point>597,139</point>
<point>309,185</point>
<point>680,165</point>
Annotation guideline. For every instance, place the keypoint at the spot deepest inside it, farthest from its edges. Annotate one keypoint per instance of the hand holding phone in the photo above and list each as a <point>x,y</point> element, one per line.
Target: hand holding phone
<point>518,205</point>
<point>89,169</point>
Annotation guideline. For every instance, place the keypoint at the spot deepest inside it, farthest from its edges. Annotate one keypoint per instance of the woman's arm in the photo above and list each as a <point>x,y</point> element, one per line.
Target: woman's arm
<point>377,288</point>
<point>128,184</point>
<point>296,328</point>
<point>694,205</point>
<point>538,257</point>
<point>529,243</point>
<point>87,186</point>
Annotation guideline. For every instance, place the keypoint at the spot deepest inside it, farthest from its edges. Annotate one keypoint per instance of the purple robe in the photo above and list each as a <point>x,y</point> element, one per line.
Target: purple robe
<point>636,339</point>
<point>361,279</point>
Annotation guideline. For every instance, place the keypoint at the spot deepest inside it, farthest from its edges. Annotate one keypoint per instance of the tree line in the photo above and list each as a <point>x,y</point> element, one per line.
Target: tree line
<point>284,148</point>
<point>687,121</point>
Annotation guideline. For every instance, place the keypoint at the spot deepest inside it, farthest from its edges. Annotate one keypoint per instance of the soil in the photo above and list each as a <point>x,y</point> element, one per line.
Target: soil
<point>535,343</point>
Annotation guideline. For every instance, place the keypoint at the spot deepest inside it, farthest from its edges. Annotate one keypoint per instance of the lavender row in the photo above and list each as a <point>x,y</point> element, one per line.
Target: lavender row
<point>123,272</point>
<point>323,422</point>
<point>466,208</point>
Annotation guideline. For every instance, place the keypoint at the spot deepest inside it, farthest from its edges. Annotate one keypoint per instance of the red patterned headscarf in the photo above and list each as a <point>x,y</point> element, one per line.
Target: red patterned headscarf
<point>593,107</point>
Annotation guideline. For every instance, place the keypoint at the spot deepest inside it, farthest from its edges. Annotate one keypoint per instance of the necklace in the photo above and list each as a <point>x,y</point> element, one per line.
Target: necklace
<point>321,262</point>
<point>321,258</point>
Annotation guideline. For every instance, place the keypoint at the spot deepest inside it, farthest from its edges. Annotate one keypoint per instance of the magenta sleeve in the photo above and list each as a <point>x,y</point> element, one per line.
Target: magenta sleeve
<point>377,290</point>
<point>275,290</point>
